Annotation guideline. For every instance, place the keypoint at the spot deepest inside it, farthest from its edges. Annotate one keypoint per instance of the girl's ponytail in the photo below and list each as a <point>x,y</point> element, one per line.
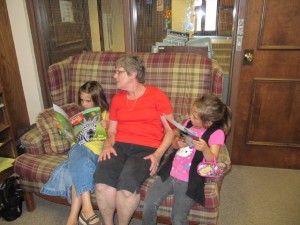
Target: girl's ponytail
<point>226,126</point>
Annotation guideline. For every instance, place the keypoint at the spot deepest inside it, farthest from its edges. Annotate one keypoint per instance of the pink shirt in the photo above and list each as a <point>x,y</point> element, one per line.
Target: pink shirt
<point>184,156</point>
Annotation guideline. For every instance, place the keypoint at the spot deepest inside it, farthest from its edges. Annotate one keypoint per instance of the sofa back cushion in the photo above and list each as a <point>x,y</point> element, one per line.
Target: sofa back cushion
<point>182,76</point>
<point>53,143</point>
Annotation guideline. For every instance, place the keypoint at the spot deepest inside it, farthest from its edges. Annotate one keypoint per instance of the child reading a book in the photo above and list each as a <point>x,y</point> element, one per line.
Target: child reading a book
<point>73,178</point>
<point>178,175</point>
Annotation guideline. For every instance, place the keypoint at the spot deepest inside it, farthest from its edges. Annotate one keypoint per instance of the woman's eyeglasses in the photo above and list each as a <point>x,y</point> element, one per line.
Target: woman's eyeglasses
<point>118,72</point>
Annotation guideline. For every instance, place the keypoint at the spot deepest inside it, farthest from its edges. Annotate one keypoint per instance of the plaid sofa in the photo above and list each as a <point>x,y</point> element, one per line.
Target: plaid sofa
<point>182,76</point>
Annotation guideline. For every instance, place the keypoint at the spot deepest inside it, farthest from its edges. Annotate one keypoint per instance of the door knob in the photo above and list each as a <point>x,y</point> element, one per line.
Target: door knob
<point>248,56</point>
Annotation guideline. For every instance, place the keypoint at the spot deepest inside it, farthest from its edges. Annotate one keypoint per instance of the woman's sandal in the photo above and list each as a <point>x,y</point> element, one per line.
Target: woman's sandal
<point>84,221</point>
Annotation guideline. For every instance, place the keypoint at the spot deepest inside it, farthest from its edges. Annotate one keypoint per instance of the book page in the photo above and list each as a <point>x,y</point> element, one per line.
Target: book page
<point>64,127</point>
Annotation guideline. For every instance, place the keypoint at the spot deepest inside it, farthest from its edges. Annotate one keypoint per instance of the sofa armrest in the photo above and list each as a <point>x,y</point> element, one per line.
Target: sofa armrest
<point>57,77</point>
<point>217,79</point>
<point>32,142</point>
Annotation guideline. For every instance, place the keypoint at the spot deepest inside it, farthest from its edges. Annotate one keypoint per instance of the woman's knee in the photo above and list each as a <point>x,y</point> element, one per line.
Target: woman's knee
<point>127,194</point>
<point>100,188</point>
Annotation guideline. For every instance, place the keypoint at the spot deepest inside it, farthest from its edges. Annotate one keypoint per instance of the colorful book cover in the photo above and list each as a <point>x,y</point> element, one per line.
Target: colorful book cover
<point>187,134</point>
<point>82,127</point>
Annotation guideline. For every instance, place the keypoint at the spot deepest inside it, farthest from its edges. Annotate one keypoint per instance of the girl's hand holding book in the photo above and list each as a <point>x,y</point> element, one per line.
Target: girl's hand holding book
<point>200,145</point>
<point>104,124</point>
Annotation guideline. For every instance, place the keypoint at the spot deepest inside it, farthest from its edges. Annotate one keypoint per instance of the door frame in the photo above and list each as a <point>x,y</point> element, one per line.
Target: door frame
<point>130,12</point>
<point>38,33</point>
<point>240,7</point>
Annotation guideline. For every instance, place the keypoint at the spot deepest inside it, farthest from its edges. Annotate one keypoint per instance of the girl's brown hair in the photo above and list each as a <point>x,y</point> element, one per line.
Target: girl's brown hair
<point>97,93</point>
<point>211,108</point>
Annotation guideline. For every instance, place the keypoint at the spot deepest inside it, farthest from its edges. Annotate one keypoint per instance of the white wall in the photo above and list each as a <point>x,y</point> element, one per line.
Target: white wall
<point>25,55</point>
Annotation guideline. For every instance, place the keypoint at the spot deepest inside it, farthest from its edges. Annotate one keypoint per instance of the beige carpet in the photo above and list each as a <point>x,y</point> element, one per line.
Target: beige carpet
<point>249,196</point>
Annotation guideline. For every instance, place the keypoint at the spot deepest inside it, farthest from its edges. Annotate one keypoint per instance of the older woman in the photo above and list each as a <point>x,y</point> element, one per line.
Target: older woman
<point>138,136</point>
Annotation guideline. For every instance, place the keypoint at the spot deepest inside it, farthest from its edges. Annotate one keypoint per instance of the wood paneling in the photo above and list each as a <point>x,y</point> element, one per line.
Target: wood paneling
<point>278,30</point>
<point>267,95</point>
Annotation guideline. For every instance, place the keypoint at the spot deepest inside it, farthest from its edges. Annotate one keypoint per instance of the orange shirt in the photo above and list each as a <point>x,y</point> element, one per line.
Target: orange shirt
<point>139,120</point>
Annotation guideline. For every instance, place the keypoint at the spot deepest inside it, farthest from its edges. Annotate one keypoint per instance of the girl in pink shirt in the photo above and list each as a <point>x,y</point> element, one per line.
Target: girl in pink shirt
<point>178,176</point>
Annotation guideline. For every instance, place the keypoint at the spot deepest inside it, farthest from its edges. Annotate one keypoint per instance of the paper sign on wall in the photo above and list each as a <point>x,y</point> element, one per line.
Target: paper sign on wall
<point>160,5</point>
<point>66,11</point>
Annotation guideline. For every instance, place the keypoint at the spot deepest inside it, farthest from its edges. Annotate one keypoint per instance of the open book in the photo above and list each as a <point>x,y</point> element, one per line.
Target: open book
<point>187,134</point>
<point>82,127</point>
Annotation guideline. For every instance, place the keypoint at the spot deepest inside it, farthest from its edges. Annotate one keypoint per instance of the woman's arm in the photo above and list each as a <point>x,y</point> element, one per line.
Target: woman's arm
<point>110,141</point>
<point>166,142</point>
<point>168,137</point>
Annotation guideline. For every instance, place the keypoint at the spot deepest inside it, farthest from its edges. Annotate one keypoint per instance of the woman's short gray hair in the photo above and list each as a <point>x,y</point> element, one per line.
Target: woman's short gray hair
<point>133,64</point>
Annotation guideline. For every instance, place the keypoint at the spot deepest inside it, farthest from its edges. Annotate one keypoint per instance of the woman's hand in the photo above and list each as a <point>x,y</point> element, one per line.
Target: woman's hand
<point>106,153</point>
<point>154,163</point>
<point>108,148</point>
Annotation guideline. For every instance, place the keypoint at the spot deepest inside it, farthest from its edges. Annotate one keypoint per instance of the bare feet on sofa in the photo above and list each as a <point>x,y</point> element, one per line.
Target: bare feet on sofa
<point>94,219</point>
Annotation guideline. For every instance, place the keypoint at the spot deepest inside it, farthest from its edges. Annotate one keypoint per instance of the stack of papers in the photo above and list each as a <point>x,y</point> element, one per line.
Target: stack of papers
<point>6,163</point>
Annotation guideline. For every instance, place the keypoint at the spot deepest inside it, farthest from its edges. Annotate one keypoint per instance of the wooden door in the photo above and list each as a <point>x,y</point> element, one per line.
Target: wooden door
<point>266,101</point>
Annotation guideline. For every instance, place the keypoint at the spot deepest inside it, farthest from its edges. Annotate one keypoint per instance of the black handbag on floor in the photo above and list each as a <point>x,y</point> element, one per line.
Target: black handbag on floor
<point>11,197</point>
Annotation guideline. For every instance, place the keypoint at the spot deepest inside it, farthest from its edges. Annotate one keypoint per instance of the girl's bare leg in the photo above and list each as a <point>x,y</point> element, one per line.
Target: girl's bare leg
<point>87,208</point>
<point>75,208</point>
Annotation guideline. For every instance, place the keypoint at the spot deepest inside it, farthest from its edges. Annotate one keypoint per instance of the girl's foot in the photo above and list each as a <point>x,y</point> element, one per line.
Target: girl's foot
<point>95,220</point>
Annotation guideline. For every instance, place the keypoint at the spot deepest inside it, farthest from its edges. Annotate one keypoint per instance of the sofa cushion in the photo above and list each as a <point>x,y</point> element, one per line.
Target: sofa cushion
<point>37,167</point>
<point>46,123</point>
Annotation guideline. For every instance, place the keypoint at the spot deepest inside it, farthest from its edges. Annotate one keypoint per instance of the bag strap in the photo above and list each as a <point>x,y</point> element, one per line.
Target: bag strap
<point>214,162</point>
<point>206,135</point>
<point>209,131</point>
<point>189,124</point>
